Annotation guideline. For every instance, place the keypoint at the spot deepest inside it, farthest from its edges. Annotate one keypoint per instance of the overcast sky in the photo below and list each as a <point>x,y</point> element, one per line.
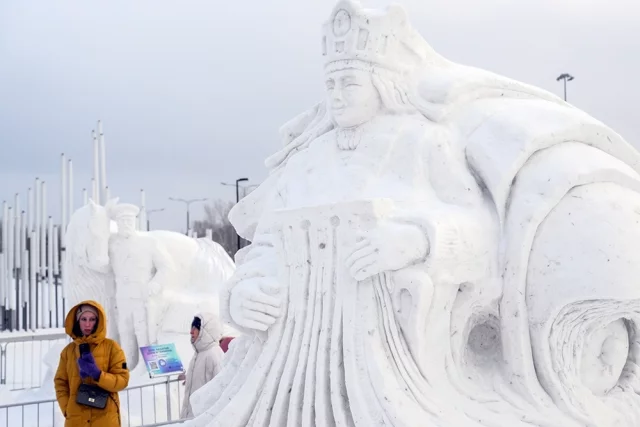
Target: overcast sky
<point>192,93</point>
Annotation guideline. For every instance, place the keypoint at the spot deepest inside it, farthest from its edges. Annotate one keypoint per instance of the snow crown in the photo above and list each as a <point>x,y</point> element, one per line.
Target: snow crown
<point>380,38</point>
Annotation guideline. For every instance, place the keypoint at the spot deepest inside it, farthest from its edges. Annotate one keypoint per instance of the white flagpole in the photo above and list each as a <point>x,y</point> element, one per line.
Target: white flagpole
<point>50,290</point>
<point>4,281</point>
<point>63,191</point>
<point>24,271</point>
<point>63,236</point>
<point>37,285</point>
<point>37,257</point>
<point>17,254</point>
<point>43,254</point>
<point>56,253</point>
<point>71,207</point>
<point>10,301</point>
<point>43,229</point>
<point>85,197</point>
<point>56,271</point>
<point>33,280</point>
<point>94,190</point>
<point>37,216</point>
<point>103,164</point>
<point>30,208</point>
<point>142,216</point>
<point>29,272</point>
<point>96,169</point>
<point>17,258</point>
<point>23,238</point>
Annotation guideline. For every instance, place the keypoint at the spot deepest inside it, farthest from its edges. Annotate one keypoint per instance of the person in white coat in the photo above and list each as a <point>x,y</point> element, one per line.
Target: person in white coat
<point>207,360</point>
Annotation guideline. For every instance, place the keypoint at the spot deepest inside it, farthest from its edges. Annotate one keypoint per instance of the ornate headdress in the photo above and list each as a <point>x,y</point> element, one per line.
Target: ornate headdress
<point>384,39</point>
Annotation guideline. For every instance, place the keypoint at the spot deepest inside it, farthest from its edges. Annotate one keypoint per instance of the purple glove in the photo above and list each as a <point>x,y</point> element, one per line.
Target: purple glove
<point>88,368</point>
<point>83,373</point>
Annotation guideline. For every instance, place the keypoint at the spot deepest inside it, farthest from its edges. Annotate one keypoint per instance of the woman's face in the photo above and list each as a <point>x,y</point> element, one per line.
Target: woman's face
<point>352,97</point>
<point>195,333</point>
<point>87,323</point>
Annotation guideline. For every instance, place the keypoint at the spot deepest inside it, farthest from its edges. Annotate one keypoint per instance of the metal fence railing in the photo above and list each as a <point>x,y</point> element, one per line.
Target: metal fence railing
<point>147,405</point>
<point>21,357</point>
<point>151,404</point>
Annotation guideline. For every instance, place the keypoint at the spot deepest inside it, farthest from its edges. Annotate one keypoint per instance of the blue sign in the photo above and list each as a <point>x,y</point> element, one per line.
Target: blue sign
<point>162,360</point>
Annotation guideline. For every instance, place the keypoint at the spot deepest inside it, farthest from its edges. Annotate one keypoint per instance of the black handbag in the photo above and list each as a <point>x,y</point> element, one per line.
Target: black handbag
<point>92,395</point>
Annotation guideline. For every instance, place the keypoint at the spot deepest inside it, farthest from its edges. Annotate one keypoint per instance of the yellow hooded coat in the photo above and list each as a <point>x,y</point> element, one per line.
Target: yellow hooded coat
<point>109,358</point>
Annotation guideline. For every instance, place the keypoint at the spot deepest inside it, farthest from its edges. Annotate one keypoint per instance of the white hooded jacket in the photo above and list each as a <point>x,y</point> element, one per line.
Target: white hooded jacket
<point>207,360</point>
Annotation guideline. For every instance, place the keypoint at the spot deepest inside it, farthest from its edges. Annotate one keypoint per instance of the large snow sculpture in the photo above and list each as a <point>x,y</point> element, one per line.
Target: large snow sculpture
<point>141,267</point>
<point>151,283</point>
<point>436,245</point>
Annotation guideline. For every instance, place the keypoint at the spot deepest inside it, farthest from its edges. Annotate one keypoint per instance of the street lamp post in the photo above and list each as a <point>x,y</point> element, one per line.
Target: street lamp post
<point>188,203</point>
<point>237,185</point>
<point>237,200</point>
<point>565,77</point>
<point>149,212</point>
<point>239,180</point>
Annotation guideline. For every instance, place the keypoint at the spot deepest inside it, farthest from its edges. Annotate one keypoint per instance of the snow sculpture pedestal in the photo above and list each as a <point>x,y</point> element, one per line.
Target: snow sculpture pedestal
<point>435,245</point>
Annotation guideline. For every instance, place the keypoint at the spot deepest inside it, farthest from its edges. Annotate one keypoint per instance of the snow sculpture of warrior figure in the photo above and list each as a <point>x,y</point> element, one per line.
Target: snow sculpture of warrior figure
<point>435,245</point>
<point>150,283</point>
<point>141,268</point>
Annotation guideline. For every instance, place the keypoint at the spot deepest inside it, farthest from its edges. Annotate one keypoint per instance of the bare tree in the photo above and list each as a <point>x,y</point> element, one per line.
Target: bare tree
<point>216,218</point>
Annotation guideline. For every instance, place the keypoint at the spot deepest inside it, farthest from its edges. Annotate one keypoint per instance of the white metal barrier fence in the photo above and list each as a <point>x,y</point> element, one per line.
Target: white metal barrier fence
<point>153,404</point>
<point>21,357</point>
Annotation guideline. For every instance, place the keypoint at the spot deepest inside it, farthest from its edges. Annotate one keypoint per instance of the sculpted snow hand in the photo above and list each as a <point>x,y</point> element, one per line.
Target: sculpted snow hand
<point>389,247</point>
<point>253,304</point>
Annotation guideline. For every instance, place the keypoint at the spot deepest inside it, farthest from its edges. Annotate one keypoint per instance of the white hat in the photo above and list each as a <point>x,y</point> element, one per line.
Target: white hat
<point>124,210</point>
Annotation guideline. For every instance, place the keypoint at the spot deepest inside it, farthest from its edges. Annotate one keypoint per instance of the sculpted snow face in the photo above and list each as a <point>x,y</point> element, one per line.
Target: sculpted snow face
<point>434,244</point>
<point>352,97</point>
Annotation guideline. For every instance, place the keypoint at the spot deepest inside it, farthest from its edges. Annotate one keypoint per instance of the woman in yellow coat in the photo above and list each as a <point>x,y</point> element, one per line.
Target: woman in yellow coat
<point>105,366</point>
